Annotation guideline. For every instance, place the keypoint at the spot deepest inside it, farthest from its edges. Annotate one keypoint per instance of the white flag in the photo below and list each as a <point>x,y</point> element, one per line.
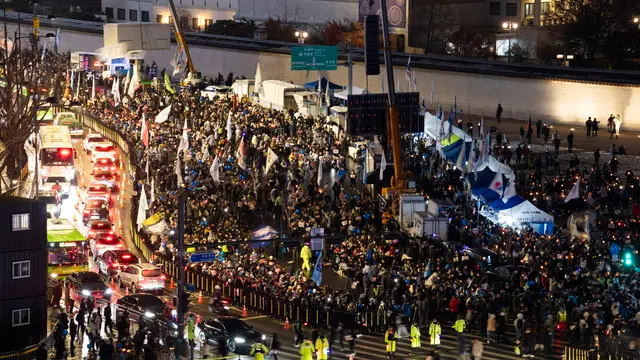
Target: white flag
<point>78,86</point>
<point>205,153</point>
<point>229,131</point>
<point>153,190</point>
<point>383,165</point>
<point>184,141</point>
<point>460,161</point>
<point>163,115</point>
<point>271,159</point>
<point>135,81</point>
<point>178,170</point>
<point>497,184</point>
<point>510,191</point>
<point>116,90</point>
<point>142,209</point>
<point>258,80</point>
<point>327,97</point>
<point>240,153</point>
<point>215,169</point>
<point>574,193</point>
<point>127,81</point>
<point>319,170</point>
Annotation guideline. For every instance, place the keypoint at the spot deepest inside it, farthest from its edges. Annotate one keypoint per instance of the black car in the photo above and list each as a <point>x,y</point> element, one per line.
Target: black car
<point>111,261</point>
<point>87,284</point>
<point>238,334</point>
<point>143,307</point>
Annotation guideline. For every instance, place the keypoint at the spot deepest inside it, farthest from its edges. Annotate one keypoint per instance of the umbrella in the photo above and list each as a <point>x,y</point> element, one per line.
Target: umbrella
<point>406,257</point>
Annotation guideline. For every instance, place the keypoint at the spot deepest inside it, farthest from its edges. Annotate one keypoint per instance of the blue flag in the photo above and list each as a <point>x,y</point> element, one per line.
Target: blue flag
<point>317,271</point>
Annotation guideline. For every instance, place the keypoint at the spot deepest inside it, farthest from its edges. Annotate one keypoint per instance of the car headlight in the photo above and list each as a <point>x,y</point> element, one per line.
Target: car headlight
<point>109,291</point>
<point>239,340</point>
<point>86,292</point>
<point>264,337</point>
<point>149,314</point>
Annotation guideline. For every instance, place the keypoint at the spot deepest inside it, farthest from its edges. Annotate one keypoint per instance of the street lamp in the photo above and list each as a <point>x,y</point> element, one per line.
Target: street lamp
<point>509,26</point>
<point>301,35</point>
<point>636,20</point>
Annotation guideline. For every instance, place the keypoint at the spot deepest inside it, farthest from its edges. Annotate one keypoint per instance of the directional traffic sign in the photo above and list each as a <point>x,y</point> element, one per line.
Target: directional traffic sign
<point>202,256</point>
<point>314,57</point>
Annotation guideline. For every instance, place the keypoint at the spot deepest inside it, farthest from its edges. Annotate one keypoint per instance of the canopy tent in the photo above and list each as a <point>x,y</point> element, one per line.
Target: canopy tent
<point>496,166</point>
<point>433,127</point>
<point>527,213</point>
<point>345,93</point>
<point>499,204</point>
<point>485,194</point>
<point>452,150</point>
<point>313,85</point>
<point>481,179</point>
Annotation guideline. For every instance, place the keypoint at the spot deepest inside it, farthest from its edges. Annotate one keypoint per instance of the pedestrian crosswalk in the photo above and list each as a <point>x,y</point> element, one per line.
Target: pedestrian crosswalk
<point>372,347</point>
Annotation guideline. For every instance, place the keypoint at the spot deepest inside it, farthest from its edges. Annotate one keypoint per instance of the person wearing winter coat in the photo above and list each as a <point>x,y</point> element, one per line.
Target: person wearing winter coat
<point>415,337</point>
<point>390,338</point>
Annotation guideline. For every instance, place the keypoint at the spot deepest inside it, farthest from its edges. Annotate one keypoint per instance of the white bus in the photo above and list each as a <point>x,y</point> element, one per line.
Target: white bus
<point>56,159</point>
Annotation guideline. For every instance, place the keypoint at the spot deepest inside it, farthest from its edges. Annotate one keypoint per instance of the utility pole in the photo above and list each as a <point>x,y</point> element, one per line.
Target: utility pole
<point>181,279</point>
<point>394,121</point>
<point>350,65</point>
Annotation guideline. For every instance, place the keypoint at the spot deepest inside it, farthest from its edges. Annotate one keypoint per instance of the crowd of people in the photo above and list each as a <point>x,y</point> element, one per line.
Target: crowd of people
<point>568,283</point>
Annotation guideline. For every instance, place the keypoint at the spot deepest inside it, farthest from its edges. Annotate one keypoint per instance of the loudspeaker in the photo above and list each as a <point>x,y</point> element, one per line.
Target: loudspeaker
<point>371,53</point>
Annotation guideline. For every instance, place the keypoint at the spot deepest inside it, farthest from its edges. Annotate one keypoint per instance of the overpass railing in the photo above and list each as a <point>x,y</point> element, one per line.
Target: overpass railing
<point>29,353</point>
<point>254,299</point>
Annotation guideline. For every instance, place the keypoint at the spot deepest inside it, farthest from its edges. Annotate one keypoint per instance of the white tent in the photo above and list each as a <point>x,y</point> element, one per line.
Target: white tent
<point>526,212</point>
<point>433,128</point>
<point>498,167</point>
<point>354,91</point>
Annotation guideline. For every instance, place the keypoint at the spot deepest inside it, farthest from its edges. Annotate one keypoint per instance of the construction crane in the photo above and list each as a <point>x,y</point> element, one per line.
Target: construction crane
<point>193,78</point>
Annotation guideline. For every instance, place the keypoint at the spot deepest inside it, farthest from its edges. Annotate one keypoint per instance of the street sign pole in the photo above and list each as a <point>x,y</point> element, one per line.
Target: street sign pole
<point>181,279</point>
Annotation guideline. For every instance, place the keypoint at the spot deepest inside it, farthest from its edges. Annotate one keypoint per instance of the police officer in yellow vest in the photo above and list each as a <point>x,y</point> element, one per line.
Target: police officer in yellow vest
<point>415,337</point>
<point>390,338</point>
<point>258,350</point>
<point>459,326</point>
<point>322,347</point>
<point>305,255</point>
<point>191,330</point>
<point>306,350</point>
<point>434,333</point>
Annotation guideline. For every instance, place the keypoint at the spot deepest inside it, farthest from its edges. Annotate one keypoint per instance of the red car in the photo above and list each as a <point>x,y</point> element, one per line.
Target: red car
<point>111,261</point>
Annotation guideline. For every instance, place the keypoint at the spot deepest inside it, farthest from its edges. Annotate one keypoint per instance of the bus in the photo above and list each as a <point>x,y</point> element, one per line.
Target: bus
<point>66,248</point>
<point>56,160</point>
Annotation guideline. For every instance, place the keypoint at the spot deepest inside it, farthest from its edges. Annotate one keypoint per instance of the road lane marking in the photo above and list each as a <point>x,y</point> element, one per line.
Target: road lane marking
<point>256,317</point>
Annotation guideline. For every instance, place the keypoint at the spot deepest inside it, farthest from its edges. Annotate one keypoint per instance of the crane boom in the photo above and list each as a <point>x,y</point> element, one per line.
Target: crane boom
<point>180,38</point>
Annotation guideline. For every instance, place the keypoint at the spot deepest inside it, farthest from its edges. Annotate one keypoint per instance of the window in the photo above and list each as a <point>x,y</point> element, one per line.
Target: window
<point>208,22</point>
<point>144,16</point>
<point>494,8</point>
<point>21,269</point>
<point>20,222</point>
<point>545,7</point>
<point>158,18</point>
<point>512,9</point>
<point>194,22</point>
<point>184,22</point>
<point>109,12</point>
<point>21,317</point>
<point>122,14</point>
<point>528,9</point>
<point>133,15</point>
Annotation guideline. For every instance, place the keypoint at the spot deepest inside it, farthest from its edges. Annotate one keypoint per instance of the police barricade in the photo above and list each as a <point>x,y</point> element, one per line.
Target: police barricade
<point>254,300</point>
<point>575,353</point>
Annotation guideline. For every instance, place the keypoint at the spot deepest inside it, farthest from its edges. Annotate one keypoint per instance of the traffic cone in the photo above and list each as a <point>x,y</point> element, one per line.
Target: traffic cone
<point>172,285</point>
<point>286,324</point>
<point>200,299</point>
<point>126,290</point>
<point>198,320</point>
<point>244,311</point>
<point>112,281</point>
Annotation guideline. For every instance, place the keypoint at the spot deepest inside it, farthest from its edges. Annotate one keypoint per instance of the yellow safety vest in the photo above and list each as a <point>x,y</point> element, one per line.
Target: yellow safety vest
<point>259,350</point>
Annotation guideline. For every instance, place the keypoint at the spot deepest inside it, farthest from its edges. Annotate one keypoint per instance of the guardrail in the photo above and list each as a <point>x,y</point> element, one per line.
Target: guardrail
<point>576,353</point>
<point>29,353</point>
<point>253,299</point>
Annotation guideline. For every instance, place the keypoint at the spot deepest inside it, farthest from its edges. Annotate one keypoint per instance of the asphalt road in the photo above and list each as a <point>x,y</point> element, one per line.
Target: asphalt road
<point>367,347</point>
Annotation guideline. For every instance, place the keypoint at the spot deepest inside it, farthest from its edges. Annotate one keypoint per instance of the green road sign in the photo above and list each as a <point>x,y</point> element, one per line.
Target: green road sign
<point>314,57</point>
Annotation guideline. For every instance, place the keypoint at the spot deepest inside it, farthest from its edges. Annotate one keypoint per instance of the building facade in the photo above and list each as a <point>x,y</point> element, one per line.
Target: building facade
<point>194,15</point>
<point>23,277</point>
<point>299,11</point>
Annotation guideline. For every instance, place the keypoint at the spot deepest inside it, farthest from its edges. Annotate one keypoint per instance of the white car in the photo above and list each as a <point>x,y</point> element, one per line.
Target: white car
<point>90,141</point>
<point>144,276</point>
<point>213,91</point>
<point>103,150</point>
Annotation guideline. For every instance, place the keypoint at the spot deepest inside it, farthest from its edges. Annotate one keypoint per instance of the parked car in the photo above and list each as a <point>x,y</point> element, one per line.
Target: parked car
<point>144,307</point>
<point>105,177</point>
<point>95,208</point>
<point>238,334</point>
<point>103,242</point>
<point>112,261</point>
<point>213,91</point>
<point>104,150</point>
<point>87,284</point>
<point>103,165</point>
<point>99,227</point>
<point>141,277</point>
<point>90,141</point>
<point>98,190</point>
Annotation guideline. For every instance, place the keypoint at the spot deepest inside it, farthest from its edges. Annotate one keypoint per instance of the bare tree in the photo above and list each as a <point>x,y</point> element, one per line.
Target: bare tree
<point>288,10</point>
<point>27,79</point>
<point>431,20</point>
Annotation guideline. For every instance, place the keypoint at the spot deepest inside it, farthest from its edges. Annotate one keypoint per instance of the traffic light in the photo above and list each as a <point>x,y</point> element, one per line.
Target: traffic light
<point>628,259</point>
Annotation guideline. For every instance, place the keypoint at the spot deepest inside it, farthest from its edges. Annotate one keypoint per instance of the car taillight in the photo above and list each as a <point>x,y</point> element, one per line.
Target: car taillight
<point>163,277</point>
<point>87,212</point>
<point>126,256</point>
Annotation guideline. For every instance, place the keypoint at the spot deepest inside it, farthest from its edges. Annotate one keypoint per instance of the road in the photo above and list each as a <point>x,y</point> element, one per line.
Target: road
<point>367,346</point>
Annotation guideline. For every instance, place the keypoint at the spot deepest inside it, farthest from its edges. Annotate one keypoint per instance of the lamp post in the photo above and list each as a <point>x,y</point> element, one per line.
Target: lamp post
<point>301,35</point>
<point>636,21</point>
<point>509,26</point>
